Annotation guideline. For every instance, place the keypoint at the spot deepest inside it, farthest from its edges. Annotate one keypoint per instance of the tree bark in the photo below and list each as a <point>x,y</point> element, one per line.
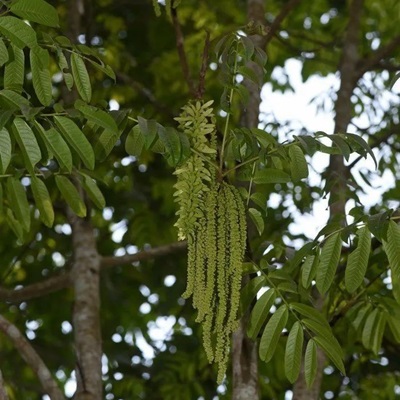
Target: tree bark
<point>244,350</point>
<point>86,312</point>
<point>337,173</point>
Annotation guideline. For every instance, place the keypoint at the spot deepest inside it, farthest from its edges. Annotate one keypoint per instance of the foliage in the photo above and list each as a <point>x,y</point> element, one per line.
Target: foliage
<point>52,153</point>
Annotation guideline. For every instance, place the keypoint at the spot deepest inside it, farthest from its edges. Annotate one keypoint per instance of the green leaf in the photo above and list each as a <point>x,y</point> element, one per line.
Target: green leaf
<point>71,195</point>
<point>341,145</point>
<point>14,71</point>
<point>81,77</point>
<point>18,202</point>
<point>309,270</point>
<point>57,146</point>
<point>378,333</point>
<point>134,142</point>
<point>97,116</point>
<point>331,351</point>
<point>328,262</point>
<point>105,144</point>
<point>309,143</point>
<point>258,220</point>
<point>43,201</point>
<point>250,291</point>
<point>27,143</point>
<point>310,363</point>
<point>149,129</point>
<point>260,313</point>
<point>369,328</point>
<point>294,352</point>
<point>271,175</point>
<point>298,163</point>
<point>300,254</point>
<point>264,138</point>
<point>36,11</point>
<point>3,53</point>
<point>93,191</point>
<point>76,139</point>
<point>358,322</point>
<point>106,69</point>
<point>12,101</point>
<point>19,32</point>
<point>15,226</point>
<point>272,333</point>
<point>170,139</point>
<point>394,325</point>
<point>5,150</point>
<point>41,78</point>
<point>363,144</point>
<point>260,199</point>
<point>392,249</point>
<point>310,312</point>
<point>358,261</point>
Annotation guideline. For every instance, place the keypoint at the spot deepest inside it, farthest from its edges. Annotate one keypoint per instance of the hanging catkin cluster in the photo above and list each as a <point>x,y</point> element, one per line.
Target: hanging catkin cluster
<point>212,218</point>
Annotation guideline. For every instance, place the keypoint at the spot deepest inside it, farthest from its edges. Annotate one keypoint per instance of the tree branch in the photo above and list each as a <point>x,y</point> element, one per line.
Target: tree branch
<point>369,63</point>
<point>113,261</point>
<point>286,9</point>
<point>145,92</point>
<point>3,392</point>
<point>64,281</point>
<point>30,356</point>
<point>204,65</point>
<point>181,52</point>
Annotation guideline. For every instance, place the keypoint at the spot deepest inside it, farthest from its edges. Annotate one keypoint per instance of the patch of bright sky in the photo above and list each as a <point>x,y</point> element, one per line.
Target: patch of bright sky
<point>297,109</point>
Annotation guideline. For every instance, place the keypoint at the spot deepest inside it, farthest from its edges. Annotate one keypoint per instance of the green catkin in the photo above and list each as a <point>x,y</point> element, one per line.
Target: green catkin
<point>221,274</point>
<point>212,218</point>
<point>211,244</point>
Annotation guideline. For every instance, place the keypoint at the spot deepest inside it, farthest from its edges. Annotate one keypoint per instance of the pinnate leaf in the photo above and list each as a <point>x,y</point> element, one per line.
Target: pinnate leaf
<point>71,195</point>
<point>42,200</point>
<point>272,333</point>
<point>294,352</point>
<point>260,313</point>
<point>36,11</point>
<point>358,261</point>
<point>81,77</point>
<point>328,262</point>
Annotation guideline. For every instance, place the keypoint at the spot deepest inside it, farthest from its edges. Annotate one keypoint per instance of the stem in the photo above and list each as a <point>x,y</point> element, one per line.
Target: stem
<point>250,185</point>
<point>221,163</point>
<point>240,165</point>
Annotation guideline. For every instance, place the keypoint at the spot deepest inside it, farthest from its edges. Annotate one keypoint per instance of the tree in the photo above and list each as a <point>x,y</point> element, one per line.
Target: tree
<point>86,191</point>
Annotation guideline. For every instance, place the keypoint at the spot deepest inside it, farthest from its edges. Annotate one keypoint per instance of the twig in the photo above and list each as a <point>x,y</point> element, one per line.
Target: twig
<point>64,281</point>
<point>204,64</point>
<point>32,358</point>
<point>181,51</point>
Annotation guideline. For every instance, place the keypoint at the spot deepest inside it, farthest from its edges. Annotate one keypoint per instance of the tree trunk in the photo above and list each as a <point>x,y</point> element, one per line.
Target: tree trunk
<point>337,173</point>
<point>86,312</point>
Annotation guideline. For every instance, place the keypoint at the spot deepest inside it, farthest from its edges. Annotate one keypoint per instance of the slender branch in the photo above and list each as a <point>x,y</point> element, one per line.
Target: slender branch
<point>3,391</point>
<point>181,51</point>
<point>145,92</point>
<point>286,9</point>
<point>32,358</point>
<point>204,65</point>
<point>374,59</point>
<point>56,283</point>
<point>113,261</point>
